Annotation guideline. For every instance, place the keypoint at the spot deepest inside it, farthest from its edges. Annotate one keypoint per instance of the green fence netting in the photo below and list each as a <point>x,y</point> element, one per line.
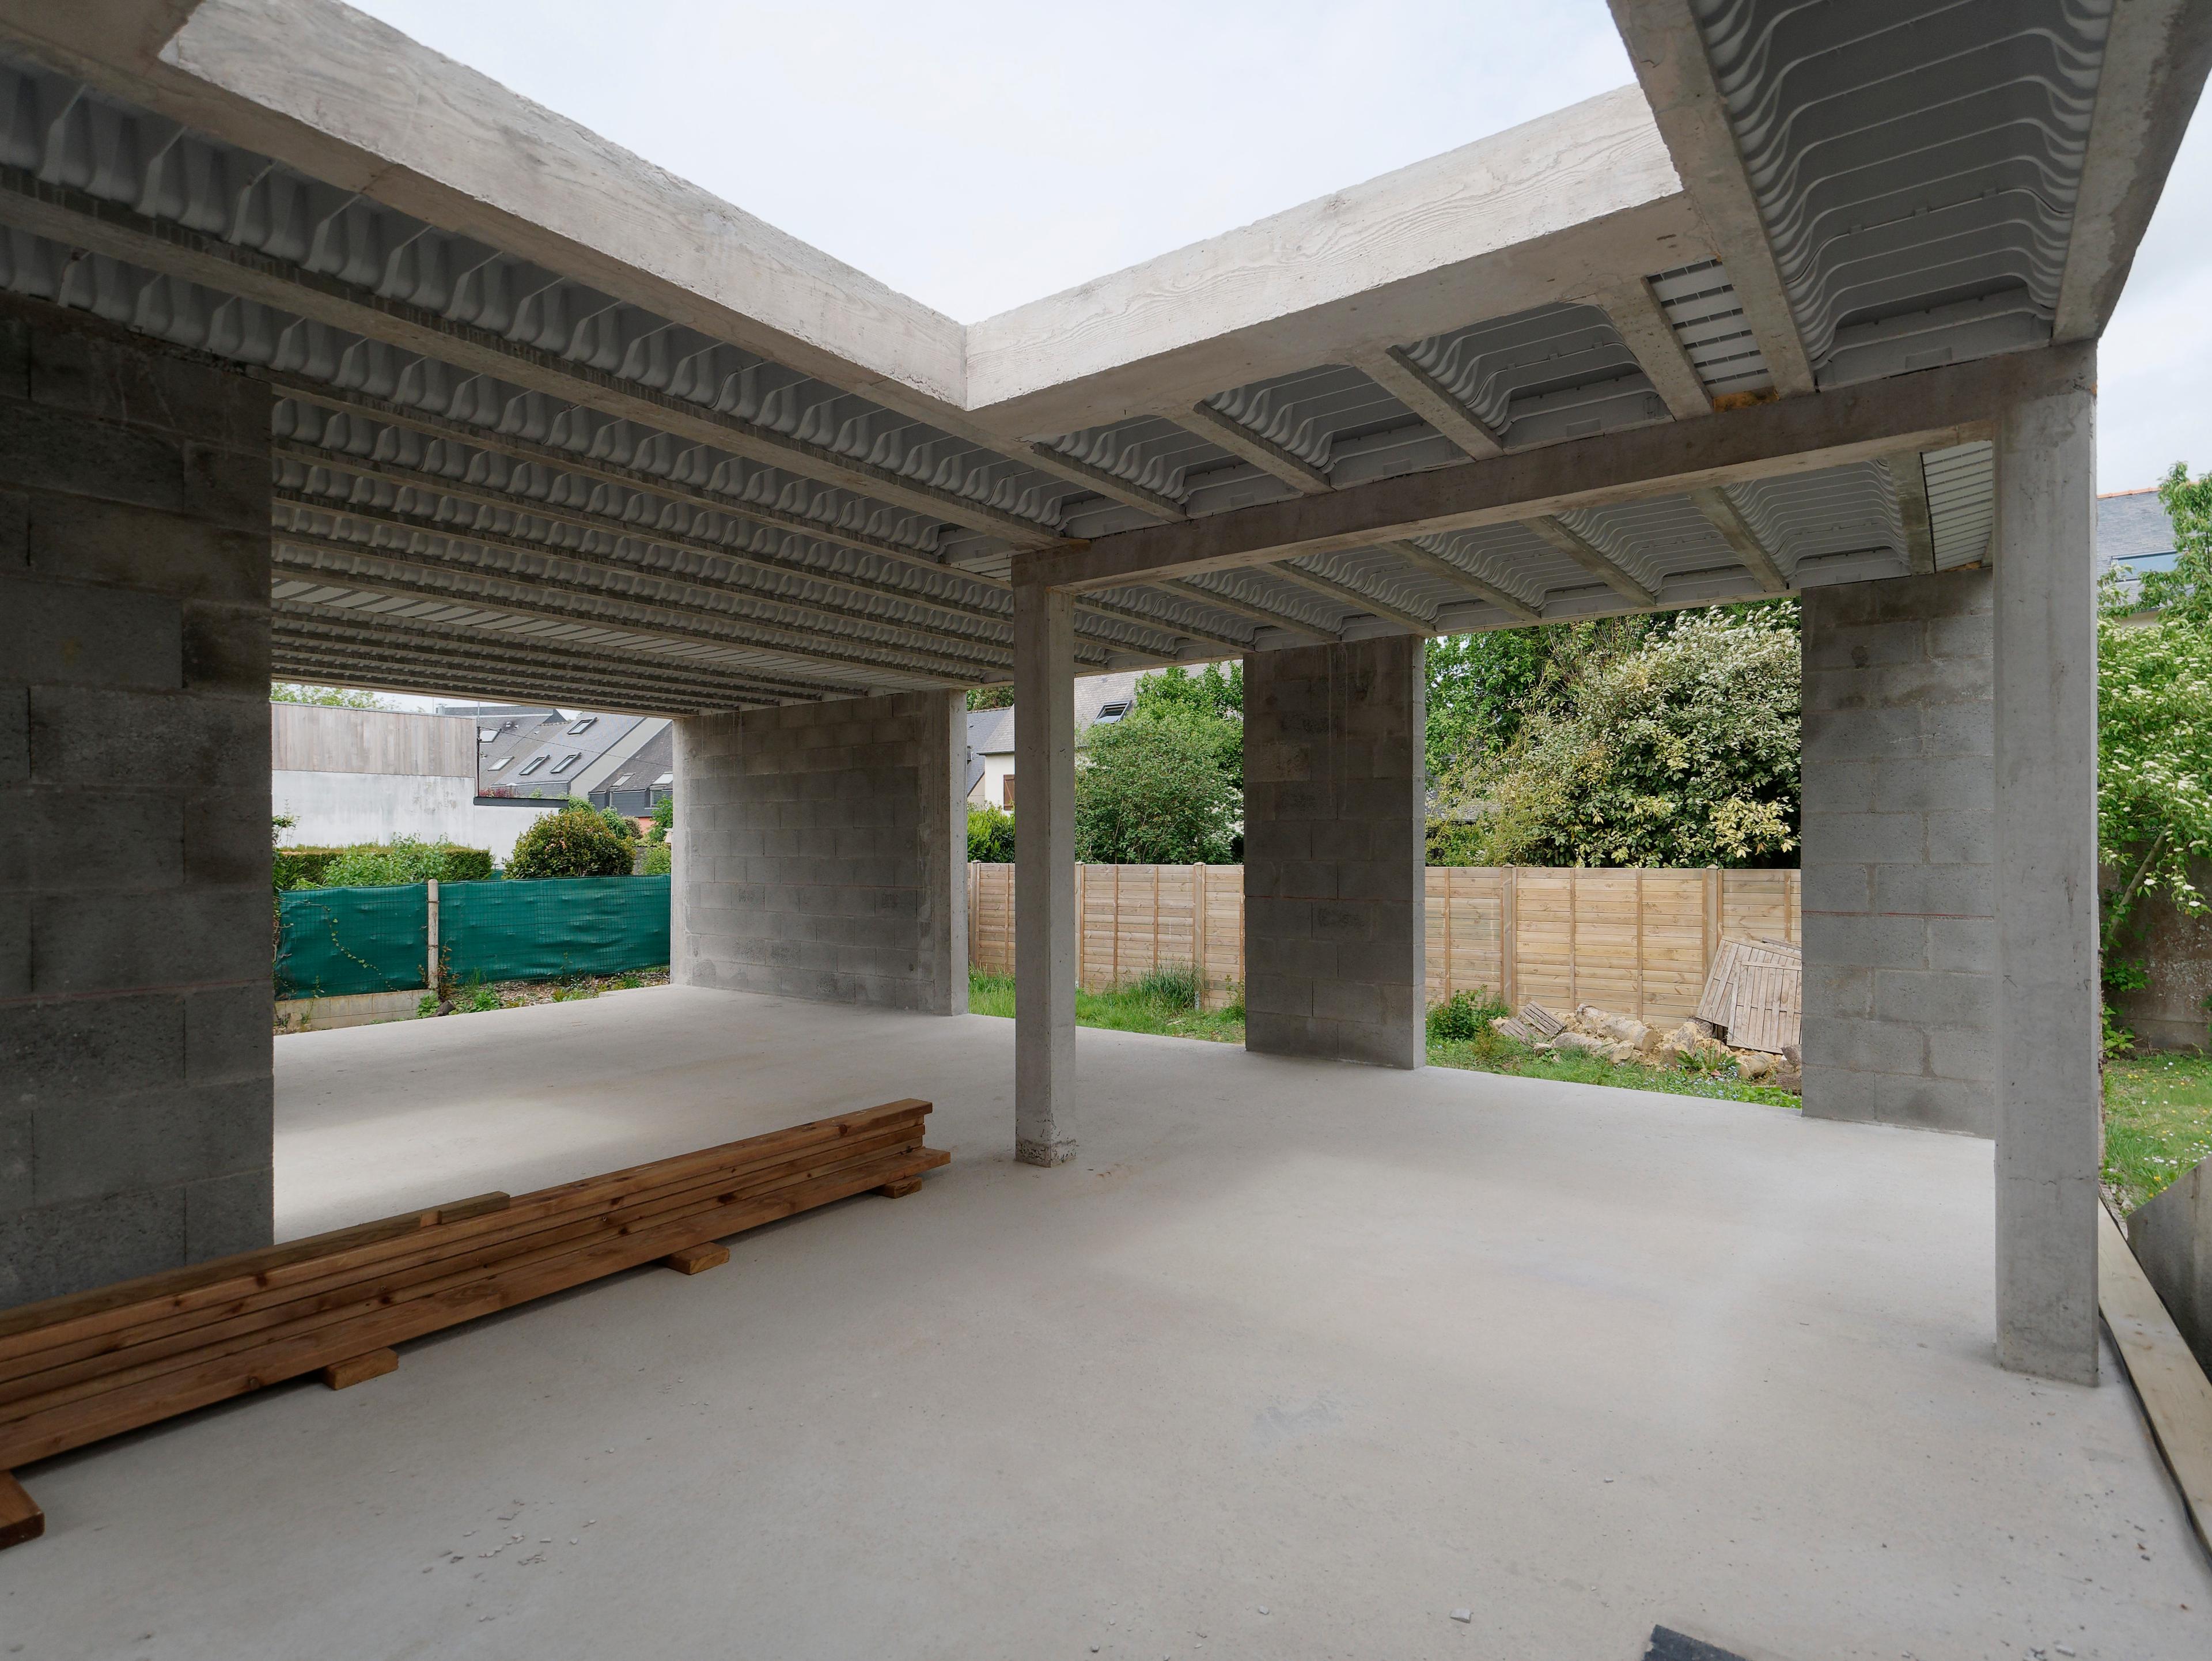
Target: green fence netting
<point>540,930</point>
<point>333,941</point>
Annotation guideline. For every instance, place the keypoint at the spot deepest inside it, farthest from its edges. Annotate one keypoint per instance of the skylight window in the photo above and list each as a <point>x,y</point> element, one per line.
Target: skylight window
<point>620,780</point>
<point>665,778</point>
<point>568,761</point>
<point>583,726</point>
<point>1111,712</point>
<point>531,766</point>
<point>495,766</point>
<point>486,734</point>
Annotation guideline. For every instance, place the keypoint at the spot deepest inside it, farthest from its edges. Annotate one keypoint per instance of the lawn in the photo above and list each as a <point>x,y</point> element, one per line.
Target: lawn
<point>2157,1122</point>
<point>1161,1003</point>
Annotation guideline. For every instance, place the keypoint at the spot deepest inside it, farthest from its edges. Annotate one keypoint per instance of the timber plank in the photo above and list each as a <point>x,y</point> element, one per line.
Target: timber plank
<point>20,1519</point>
<point>2175,1394</point>
<point>360,1369</point>
<point>696,1259</point>
<point>76,1423</point>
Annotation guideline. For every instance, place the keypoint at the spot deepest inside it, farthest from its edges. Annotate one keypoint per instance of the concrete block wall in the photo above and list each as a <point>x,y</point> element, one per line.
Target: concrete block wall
<point>822,852</point>
<point>1900,889</point>
<point>1334,909</point>
<point>135,993</point>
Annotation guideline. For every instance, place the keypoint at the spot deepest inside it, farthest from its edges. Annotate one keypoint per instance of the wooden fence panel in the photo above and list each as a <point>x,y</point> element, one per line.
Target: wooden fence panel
<point>1638,941</point>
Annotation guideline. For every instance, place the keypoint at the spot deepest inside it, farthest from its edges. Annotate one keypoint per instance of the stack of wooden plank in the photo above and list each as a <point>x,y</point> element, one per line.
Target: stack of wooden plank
<point>1533,1024</point>
<point>1754,993</point>
<point>74,1370</point>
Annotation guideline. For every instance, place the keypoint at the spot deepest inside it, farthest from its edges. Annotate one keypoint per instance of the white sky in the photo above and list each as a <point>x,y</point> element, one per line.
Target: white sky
<point>977,153</point>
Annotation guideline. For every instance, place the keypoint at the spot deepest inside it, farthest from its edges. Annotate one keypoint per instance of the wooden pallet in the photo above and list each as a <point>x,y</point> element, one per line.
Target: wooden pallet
<point>74,1370</point>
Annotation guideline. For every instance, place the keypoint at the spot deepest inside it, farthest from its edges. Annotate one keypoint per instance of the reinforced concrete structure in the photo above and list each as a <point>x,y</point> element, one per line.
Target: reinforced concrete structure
<point>405,382</point>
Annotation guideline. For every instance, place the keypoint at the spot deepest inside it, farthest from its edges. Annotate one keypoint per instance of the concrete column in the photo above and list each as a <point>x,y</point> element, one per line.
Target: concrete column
<point>2049,1122</point>
<point>1900,895</point>
<point>1335,899</point>
<point>135,991</point>
<point>1045,940</point>
<point>817,852</point>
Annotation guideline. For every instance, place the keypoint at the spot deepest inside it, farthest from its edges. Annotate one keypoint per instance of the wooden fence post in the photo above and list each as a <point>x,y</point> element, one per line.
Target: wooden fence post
<point>1198,940</point>
<point>1639,942</point>
<point>431,968</point>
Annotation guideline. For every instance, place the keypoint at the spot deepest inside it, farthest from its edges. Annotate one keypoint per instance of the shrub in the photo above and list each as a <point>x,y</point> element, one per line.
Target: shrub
<point>575,842</point>
<point>300,867</point>
<point>402,860</point>
<point>660,860</point>
<point>664,819</point>
<point>1150,789</point>
<point>1464,1018</point>
<point>990,836</point>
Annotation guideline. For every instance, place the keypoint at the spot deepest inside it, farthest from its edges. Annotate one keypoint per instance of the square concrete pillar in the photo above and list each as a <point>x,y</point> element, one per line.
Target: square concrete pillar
<point>1334,868</point>
<point>2050,1112</point>
<point>136,1002</point>
<point>1899,827</point>
<point>1045,939</point>
<point>822,852</point>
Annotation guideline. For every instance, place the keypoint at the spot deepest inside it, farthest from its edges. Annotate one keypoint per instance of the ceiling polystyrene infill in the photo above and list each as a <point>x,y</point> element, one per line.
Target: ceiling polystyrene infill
<point>1701,306</point>
<point>1151,451</point>
<point>1553,372</point>
<point>1961,501</point>
<point>1916,166</point>
<point>1314,413</point>
<point>1802,517</point>
<point>63,133</point>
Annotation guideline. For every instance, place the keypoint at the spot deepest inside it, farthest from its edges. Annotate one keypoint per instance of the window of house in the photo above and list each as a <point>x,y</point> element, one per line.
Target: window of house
<point>665,778</point>
<point>493,767</point>
<point>531,766</point>
<point>583,726</point>
<point>620,780</point>
<point>1006,792</point>
<point>1111,712</point>
<point>568,761</point>
<point>486,734</point>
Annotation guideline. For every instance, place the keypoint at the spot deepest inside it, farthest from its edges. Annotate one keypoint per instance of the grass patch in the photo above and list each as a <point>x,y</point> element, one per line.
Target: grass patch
<point>1460,1036</point>
<point>1161,1003</point>
<point>2157,1122</point>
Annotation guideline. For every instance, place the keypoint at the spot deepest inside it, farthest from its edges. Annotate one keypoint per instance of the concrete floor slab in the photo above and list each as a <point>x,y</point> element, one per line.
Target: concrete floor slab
<point>1355,1347</point>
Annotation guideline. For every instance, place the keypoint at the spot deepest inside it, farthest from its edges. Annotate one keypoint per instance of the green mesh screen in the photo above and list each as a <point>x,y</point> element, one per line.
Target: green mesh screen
<point>332,941</point>
<point>552,926</point>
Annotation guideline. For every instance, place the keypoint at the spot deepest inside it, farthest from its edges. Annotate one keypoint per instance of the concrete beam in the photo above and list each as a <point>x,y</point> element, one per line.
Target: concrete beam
<point>1909,475</point>
<point>1046,932</point>
<point>77,219</point>
<point>1481,587</point>
<point>378,672</point>
<point>2156,56</point>
<point>1234,436</point>
<point>2049,1107</point>
<point>677,588</point>
<point>1723,514</point>
<point>1357,599</point>
<point>421,576</point>
<point>1266,616</point>
<point>1929,410</point>
<point>1663,40</point>
<point>1592,558</point>
<point>1396,374</point>
<point>1642,324</point>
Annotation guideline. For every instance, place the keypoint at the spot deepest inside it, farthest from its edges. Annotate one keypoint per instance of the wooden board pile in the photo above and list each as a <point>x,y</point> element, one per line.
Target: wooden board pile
<point>1754,994</point>
<point>76,1369</point>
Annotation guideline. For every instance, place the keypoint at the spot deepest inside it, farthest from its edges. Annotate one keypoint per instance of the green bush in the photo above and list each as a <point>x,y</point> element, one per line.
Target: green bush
<point>1464,1018</point>
<point>990,836</point>
<point>1150,790</point>
<point>402,860</point>
<point>664,819</point>
<point>660,860</point>
<point>300,867</point>
<point>575,842</point>
<point>1175,984</point>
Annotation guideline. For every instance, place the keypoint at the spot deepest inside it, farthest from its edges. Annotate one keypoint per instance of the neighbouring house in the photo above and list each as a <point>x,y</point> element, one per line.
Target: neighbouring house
<point>2134,534</point>
<point>528,756</point>
<point>632,780</point>
<point>1099,699</point>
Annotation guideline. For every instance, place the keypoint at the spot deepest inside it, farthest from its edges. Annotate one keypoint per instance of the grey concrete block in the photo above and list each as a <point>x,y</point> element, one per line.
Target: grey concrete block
<point>1868,941</point>
<point>1930,787</point>
<point>53,839</point>
<point>1833,838</point>
<point>1967,1107</point>
<point>15,1146</point>
<point>228,1033</point>
<point>71,633</point>
<point>230,1213</point>
<point>49,1251</point>
<point>1933,998</point>
<point>110,1142</point>
<point>226,650</point>
<point>1863,1046</point>
<point>102,941</point>
<point>116,542</point>
<point>1837,888</point>
<point>1969,944</point>
<point>74,1047</point>
<point>1949,890</point>
<point>1855,734</point>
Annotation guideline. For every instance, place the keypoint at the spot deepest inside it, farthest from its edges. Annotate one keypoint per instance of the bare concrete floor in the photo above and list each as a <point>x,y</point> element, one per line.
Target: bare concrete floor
<point>1355,1348</point>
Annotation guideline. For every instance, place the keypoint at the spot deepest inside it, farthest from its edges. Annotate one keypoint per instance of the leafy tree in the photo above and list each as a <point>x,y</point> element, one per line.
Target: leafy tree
<point>990,836</point>
<point>664,819</point>
<point>1661,746</point>
<point>991,697</point>
<point>2184,593</point>
<point>1150,789</point>
<point>2154,765</point>
<point>328,697</point>
<point>571,843</point>
<point>1211,701</point>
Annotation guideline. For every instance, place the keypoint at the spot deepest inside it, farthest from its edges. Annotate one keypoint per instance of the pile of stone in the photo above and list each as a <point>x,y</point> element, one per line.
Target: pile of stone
<point>1695,1043</point>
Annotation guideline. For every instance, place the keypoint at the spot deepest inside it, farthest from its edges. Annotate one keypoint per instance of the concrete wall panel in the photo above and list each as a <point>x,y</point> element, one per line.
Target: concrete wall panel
<point>135,993</point>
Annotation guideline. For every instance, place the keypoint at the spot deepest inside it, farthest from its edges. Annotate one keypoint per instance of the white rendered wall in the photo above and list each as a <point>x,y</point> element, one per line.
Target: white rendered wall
<point>332,810</point>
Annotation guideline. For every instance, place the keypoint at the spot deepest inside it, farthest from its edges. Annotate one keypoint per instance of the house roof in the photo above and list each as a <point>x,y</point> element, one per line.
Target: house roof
<point>522,733</point>
<point>2132,525</point>
<point>991,732</point>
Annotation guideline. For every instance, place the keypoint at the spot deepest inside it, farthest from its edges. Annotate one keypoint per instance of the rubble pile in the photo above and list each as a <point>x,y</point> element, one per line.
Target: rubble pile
<point>1694,1045</point>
